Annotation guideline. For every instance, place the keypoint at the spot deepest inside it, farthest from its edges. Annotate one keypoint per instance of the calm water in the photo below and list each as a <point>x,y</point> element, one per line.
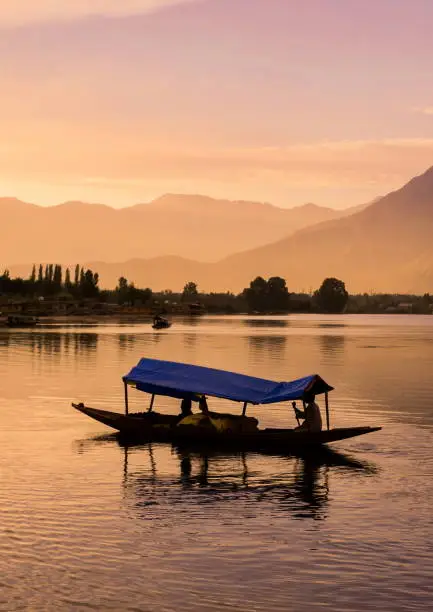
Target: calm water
<point>87,524</point>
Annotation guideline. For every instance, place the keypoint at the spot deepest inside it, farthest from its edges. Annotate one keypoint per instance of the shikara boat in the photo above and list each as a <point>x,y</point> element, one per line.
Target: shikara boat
<point>21,321</point>
<point>191,382</point>
<point>161,323</point>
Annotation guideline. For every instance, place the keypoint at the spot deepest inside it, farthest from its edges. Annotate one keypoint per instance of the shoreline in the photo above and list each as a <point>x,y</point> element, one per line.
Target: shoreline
<point>129,318</point>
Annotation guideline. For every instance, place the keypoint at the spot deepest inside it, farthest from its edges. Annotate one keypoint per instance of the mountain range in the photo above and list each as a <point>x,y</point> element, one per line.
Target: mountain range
<point>386,246</point>
<point>190,226</point>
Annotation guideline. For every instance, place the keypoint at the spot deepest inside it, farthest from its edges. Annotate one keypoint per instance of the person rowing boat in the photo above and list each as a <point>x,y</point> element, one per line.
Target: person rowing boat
<point>310,414</point>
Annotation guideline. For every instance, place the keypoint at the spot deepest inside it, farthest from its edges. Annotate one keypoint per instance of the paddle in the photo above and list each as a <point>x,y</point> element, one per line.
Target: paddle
<point>296,414</point>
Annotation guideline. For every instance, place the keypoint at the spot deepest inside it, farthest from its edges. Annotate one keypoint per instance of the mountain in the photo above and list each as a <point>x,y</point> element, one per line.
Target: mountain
<point>386,247</point>
<point>190,226</point>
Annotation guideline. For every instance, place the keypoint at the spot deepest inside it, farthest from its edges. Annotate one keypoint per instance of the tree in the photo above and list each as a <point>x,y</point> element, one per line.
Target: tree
<point>267,296</point>
<point>190,291</point>
<point>332,296</point>
<point>122,290</point>
<point>122,284</point>
<point>40,274</point>
<point>77,275</point>
<point>33,275</point>
<point>68,284</point>
<point>89,283</point>
<point>57,278</point>
<point>255,295</point>
<point>127,293</point>
<point>277,294</point>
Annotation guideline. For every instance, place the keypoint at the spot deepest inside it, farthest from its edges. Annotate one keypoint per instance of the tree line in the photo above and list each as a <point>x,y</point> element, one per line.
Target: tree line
<point>272,295</point>
<point>49,280</point>
<point>52,281</point>
<point>261,296</point>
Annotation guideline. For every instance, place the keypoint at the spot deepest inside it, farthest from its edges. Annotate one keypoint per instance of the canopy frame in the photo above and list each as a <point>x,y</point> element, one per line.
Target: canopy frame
<point>152,400</point>
<point>327,409</point>
<point>126,397</point>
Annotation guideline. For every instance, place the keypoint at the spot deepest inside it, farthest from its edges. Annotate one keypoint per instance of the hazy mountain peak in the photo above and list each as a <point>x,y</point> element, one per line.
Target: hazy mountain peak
<point>421,184</point>
<point>80,206</point>
<point>201,202</point>
<point>415,197</point>
<point>7,202</point>
<point>311,207</point>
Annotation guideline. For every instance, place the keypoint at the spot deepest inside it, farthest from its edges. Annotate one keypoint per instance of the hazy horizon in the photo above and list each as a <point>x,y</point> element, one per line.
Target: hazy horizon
<point>131,204</point>
<point>271,101</point>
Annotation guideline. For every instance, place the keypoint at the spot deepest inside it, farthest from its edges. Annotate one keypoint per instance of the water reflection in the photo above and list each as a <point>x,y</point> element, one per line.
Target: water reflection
<point>191,321</point>
<point>331,347</point>
<point>50,343</point>
<point>4,340</point>
<point>330,325</point>
<point>126,341</point>
<point>298,484</point>
<point>190,341</point>
<point>300,488</point>
<point>274,346</point>
<point>270,323</point>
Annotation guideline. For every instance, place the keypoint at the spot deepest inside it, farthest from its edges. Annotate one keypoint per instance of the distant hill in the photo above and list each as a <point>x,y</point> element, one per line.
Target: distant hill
<point>190,226</point>
<point>386,247</point>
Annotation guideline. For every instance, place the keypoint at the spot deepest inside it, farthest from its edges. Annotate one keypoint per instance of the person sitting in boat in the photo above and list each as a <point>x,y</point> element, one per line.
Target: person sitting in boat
<point>202,404</point>
<point>311,414</point>
<point>185,407</point>
<point>200,419</point>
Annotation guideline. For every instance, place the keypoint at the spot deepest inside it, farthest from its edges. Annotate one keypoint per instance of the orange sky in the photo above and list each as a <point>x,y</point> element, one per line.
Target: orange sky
<point>256,99</point>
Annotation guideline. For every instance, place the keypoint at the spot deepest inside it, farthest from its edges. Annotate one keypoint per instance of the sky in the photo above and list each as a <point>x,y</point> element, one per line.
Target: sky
<point>284,101</point>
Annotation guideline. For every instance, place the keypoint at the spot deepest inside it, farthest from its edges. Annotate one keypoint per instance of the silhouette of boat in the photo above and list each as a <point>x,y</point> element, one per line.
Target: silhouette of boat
<point>21,321</point>
<point>161,323</point>
<point>212,429</point>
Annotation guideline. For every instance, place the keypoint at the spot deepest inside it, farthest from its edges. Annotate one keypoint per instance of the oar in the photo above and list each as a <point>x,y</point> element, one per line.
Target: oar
<point>296,416</point>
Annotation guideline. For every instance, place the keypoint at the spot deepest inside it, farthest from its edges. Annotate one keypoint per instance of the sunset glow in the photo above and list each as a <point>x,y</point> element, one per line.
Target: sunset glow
<point>270,100</point>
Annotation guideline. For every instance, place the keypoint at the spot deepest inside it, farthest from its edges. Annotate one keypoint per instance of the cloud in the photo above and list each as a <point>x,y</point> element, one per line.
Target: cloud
<point>126,156</point>
<point>24,12</point>
<point>425,110</point>
<point>121,168</point>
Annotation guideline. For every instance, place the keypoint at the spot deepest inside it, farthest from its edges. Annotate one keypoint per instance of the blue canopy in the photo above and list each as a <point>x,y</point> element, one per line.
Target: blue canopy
<point>183,380</point>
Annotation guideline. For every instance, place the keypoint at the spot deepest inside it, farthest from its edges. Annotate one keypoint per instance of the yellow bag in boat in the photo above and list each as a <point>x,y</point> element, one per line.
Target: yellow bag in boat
<point>222,423</point>
<point>196,420</point>
<point>227,423</point>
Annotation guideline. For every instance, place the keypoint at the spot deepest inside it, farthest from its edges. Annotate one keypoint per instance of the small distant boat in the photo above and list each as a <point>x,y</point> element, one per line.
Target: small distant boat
<point>21,321</point>
<point>184,381</point>
<point>161,323</point>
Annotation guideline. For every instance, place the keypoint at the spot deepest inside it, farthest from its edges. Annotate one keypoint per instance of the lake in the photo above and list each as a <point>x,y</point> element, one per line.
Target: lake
<point>89,524</point>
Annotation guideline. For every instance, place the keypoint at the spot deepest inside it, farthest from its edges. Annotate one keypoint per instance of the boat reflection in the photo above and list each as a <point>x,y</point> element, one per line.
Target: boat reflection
<point>266,322</point>
<point>297,484</point>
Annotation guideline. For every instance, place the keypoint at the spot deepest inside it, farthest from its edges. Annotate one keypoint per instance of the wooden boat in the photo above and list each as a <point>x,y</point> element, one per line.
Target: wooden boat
<point>193,383</point>
<point>161,323</point>
<point>21,321</point>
